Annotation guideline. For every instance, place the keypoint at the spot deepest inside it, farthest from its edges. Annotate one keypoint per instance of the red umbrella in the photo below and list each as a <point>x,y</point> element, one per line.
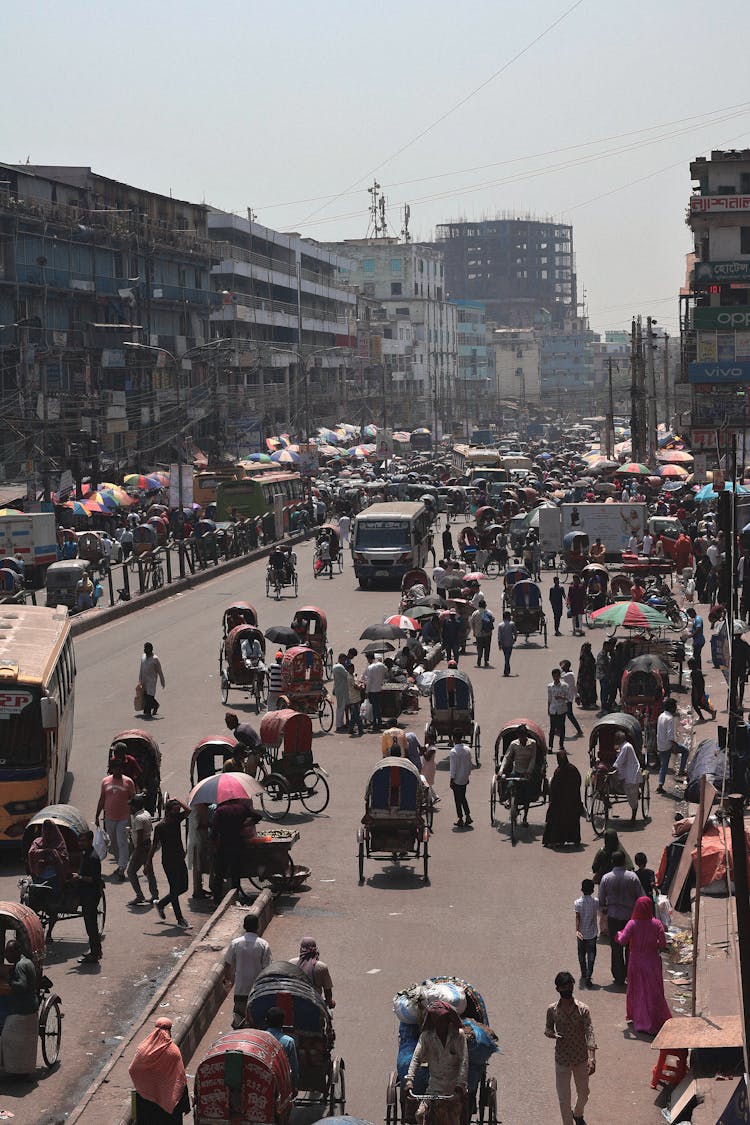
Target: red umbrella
<point>402,622</point>
<point>475,576</point>
<point>222,787</point>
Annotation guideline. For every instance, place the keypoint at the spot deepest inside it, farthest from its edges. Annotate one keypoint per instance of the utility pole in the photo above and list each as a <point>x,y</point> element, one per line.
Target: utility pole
<point>742,908</point>
<point>652,443</point>
<point>635,447</point>
<point>666,381</point>
<point>610,442</point>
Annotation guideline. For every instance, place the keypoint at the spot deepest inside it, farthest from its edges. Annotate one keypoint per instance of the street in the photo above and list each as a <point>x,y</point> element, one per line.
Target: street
<point>497,915</point>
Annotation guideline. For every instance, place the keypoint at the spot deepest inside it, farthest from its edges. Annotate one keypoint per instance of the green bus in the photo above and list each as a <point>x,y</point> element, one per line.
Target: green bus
<point>253,497</point>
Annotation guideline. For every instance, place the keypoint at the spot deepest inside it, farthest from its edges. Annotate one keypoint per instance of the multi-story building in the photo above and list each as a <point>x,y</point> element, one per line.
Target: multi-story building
<point>715,309</point>
<point>518,361</point>
<point>567,363</point>
<point>407,280</point>
<point>475,388</point>
<point>519,268</point>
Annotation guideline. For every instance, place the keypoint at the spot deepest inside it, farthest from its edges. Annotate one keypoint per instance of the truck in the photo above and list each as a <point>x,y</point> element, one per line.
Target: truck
<point>32,536</point>
<point>612,523</point>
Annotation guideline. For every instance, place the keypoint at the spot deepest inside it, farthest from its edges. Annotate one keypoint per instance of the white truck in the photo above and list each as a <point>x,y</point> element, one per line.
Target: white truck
<point>612,523</point>
<point>32,537</point>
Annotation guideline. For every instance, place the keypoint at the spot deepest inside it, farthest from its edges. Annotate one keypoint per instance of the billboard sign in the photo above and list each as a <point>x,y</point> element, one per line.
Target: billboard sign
<point>718,273</point>
<point>737,371</point>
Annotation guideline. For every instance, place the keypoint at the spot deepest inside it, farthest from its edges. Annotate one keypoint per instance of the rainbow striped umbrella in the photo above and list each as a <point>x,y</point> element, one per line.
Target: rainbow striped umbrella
<point>632,615</point>
<point>634,469</point>
<point>285,457</point>
<point>77,508</point>
<point>675,471</point>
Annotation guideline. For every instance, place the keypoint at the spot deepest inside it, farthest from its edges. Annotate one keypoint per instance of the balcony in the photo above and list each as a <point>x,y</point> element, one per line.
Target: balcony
<point>234,260</point>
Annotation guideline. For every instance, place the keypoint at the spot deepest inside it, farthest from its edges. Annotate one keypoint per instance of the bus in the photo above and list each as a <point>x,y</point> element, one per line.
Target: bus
<point>470,458</point>
<point>388,540</point>
<point>252,497</point>
<point>37,696</point>
<point>207,481</point>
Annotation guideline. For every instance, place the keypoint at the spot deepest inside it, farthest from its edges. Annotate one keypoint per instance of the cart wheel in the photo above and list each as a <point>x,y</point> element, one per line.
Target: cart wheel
<point>513,816</point>
<point>477,732</point>
<point>492,1102</point>
<point>101,913</point>
<point>391,1100</point>
<point>493,801</point>
<point>50,1030</point>
<point>599,814</point>
<point>493,569</point>
<point>338,1088</point>
<point>426,860</point>
<point>328,663</point>
<point>315,793</point>
<point>645,795</point>
<point>361,860</point>
<point>275,799</point>
<point>325,715</point>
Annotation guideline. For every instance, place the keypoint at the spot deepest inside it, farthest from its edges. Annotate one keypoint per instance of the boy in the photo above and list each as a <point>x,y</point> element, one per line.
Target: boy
<point>586,908</point>
<point>645,874</point>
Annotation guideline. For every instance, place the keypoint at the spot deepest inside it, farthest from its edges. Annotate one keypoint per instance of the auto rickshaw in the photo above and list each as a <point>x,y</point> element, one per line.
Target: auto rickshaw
<point>62,582</point>
<point>21,1033</point>
<point>505,790</point>
<point>575,552</point>
<point>311,626</point>
<point>302,686</point>
<point>140,745</point>
<point>293,774</point>
<point>244,1079</point>
<point>642,693</point>
<point>526,609</point>
<point>238,613</point>
<point>394,826</point>
<point>239,668</point>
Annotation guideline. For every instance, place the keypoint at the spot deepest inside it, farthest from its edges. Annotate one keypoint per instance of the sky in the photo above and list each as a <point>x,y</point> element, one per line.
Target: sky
<point>583,110</point>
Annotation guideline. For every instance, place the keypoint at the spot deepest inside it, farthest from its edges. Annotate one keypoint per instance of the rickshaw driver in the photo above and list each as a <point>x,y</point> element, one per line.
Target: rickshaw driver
<point>442,1046</point>
<point>19,974</point>
<point>520,763</point>
<point>598,552</point>
<point>277,561</point>
<point>628,770</point>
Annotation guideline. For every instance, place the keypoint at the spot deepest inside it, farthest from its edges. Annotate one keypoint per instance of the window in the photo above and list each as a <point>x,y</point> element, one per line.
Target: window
<point>395,288</point>
<point>368,265</point>
<point>369,289</point>
<point>745,183</point>
<point>402,312</point>
<point>395,265</point>
<point>744,240</point>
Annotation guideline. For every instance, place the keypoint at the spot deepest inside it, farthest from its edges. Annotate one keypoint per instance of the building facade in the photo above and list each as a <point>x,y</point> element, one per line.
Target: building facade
<point>518,365</point>
<point>568,363</point>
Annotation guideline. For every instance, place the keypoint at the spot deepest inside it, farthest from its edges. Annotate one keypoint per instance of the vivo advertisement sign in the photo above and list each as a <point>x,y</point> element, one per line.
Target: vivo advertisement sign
<point>735,372</point>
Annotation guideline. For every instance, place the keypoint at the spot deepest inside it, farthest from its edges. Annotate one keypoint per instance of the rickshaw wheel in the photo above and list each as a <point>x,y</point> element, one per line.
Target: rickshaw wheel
<point>325,715</point>
<point>50,1030</point>
<point>492,1102</point>
<point>544,630</point>
<point>328,663</point>
<point>275,800</point>
<point>493,801</point>
<point>224,687</point>
<point>587,796</point>
<point>268,586</point>
<point>391,1100</point>
<point>101,913</point>
<point>513,815</point>
<point>296,584</point>
<point>159,806</point>
<point>361,861</point>
<point>260,692</point>
<point>477,747</point>
<point>599,814</point>
<point>645,795</point>
<point>338,1087</point>
<point>315,793</point>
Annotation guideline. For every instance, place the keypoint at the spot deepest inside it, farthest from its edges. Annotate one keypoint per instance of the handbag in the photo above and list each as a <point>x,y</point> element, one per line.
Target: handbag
<point>138,697</point>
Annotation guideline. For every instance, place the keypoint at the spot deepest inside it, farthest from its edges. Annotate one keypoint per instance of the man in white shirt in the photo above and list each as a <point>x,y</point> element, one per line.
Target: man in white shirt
<point>557,709</point>
<point>666,744</point>
<point>633,544</point>
<point>647,544</point>
<point>243,960</point>
<point>375,674</point>
<point>628,771</point>
<point>344,525</point>
<point>460,767</point>
<point>569,679</point>
<point>625,495</point>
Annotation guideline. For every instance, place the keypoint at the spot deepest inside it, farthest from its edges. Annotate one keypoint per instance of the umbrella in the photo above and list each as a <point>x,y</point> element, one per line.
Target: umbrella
<point>381,632</point>
<point>10,512</point>
<point>263,458</point>
<point>635,469</point>
<point>401,621</point>
<point>648,663</point>
<point>95,508</point>
<point>633,615</point>
<point>77,508</point>
<point>676,456</point>
<point>675,471</point>
<point>285,457</point>
<point>475,576</point>
<point>432,601</point>
<point>418,612</point>
<point>137,480</point>
<point>282,635</point>
<point>451,581</point>
<point>379,646</point>
<point>707,492</point>
<point>221,787</point>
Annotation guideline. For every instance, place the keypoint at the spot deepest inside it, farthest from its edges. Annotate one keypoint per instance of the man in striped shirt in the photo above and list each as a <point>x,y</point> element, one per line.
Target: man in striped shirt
<point>274,681</point>
<point>587,929</point>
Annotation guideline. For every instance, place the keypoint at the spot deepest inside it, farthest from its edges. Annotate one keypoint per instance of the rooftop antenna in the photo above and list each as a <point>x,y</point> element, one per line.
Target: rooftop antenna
<point>405,230</point>
<point>373,226</point>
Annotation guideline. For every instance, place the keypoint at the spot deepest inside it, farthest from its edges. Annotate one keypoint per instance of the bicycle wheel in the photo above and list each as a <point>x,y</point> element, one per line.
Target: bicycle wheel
<point>275,800</point>
<point>315,793</point>
<point>325,715</point>
<point>645,795</point>
<point>493,801</point>
<point>599,814</point>
<point>224,687</point>
<point>50,1030</point>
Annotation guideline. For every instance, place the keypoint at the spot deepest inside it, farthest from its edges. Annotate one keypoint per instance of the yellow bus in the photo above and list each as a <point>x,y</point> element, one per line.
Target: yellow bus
<point>37,696</point>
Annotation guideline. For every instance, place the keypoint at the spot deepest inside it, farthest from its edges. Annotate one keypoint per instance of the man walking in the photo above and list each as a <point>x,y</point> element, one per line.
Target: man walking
<point>569,1024</point>
<point>603,675</point>
<point>506,638</point>
<point>568,678</point>
<point>114,801</point>
<point>451,636</point>
<point>375,673</point>
<point>587,929</point>
<point>149,675</point>
<point>245,957</point>
<point>460,768</point>
<point>482,623</point>
<point>628,771</point>
<point>140,839</point>
<point>344,525</point>
<point>341,690</point>
<point>618,892</point>
<point>557,601</point>
<point>666,744</point>
<point>557,709</point>
<point>168,836</point>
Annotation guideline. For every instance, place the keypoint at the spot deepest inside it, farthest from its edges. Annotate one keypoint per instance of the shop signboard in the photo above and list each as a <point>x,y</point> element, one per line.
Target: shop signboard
<point>720,273</point>
<point>719,204</point>
<point>726,319</point>
<point>737,371</point>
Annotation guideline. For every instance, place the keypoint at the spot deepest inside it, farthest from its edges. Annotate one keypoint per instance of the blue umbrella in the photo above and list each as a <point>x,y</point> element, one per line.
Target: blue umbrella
<point>707,492</point>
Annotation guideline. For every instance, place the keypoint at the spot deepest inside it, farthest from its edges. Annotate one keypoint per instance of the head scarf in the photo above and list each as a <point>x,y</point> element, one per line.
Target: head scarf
<point>603,858</point>
<point>643,911</point>
<point>157,1070</point>
<point>563,761</point>
<point>49,848</point>
<point>440,1008</point>
<point>308,956</point>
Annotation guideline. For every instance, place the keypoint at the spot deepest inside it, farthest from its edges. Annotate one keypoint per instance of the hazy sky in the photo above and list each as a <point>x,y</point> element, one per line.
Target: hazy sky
<point>292,108</point>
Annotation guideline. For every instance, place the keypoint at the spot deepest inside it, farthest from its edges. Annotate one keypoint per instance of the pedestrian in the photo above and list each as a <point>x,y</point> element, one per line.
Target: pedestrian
<point>602,862</point>
<point>628,770</point>
<point>698,698</point>
<point>569,1024</point>
<point>460,773</point>
<point>586,681</point>
<point>568,678</point>
<point>168,836</point>
<point>696,634</point>
<point>447,539</point>
<point>344,526</point>
<point>374,677</point>
<point>245,957</point>
<point>413,750</point>
<point>451,635</point>
<point>354,695</point>
<point>275,1027</point>
<point>274,680</point>
<point>482,623</point>
<point>618,892</point>
<point>564,812</point>
<point>586,909</point>
<point>114,801</point>
<point>157,1073</point>
<point>341,690</point>
<point>666,743</point>
<point>88,879</point>
<point>645,874</point>
<point>645,1004</point>
<point>507,635</point>
<point>577,604</point>
<point>316,971</point>
<point>603,675</point>
<point>149,675</point>
<point>557,601</point>
<point>557,709</point>
<point>140,841</point>
<point>429,768</point>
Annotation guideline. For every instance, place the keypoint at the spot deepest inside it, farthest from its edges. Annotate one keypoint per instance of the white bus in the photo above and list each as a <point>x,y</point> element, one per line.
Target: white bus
<point>388,540</point>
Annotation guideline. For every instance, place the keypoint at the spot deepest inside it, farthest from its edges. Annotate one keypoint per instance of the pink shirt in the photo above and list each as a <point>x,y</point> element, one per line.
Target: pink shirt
<point>117,793</point>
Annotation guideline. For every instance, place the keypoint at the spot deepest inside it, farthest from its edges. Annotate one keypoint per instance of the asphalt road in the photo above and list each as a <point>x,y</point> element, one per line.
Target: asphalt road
<point>497,915</point>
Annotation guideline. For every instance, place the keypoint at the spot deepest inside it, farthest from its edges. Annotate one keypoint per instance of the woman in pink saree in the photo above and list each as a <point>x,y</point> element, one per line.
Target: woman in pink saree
<point>645,1004</point>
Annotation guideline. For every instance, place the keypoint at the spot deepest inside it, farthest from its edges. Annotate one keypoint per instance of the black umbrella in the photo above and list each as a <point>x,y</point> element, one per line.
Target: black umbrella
<point>648,663</point>
<point>450,582</point>
<point>282,635</point>
<point>431,600</point>
<point>379,646</point>
<point>381,632</point>
<point>420,611</point>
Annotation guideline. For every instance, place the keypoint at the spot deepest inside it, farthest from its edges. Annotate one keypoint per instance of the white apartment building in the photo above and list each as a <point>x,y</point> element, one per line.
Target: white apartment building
<point>518,364</point>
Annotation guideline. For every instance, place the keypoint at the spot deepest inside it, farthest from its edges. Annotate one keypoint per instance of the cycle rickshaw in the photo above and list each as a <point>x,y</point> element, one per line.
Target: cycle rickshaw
<point>602,789</point>
<point>244,1079</point>
<point>209,756</point>
<point>595,578</point>
<point>311,626</point>
<point>58,904</point>
<point>575,552</point>
<point>238,613</point>
<point>643,690</point>
<point>331,533</point>
<point>282,577</point>
<point>239,668</point>
<point>394,827</point>
<point>526,610</point>
<point>308,1021</point>
<point>620,586</point>
<point>481,1044</point>
<point>414,585</point>
<point>302,686</point>
<point>140,745</point>
<point>291,772</point>
<point>512,575</point>
<point>22,1033</point>
<point>467,545</point>
<point>452,711</point>
<point>507,790</point>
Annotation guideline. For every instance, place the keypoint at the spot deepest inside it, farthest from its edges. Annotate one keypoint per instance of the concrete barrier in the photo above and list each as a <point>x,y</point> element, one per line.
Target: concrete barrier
<point>190,996</point>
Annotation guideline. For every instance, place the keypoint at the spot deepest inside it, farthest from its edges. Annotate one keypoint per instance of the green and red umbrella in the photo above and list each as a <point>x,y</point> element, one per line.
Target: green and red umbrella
<point>634,469</point>
<point>633,615</point>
